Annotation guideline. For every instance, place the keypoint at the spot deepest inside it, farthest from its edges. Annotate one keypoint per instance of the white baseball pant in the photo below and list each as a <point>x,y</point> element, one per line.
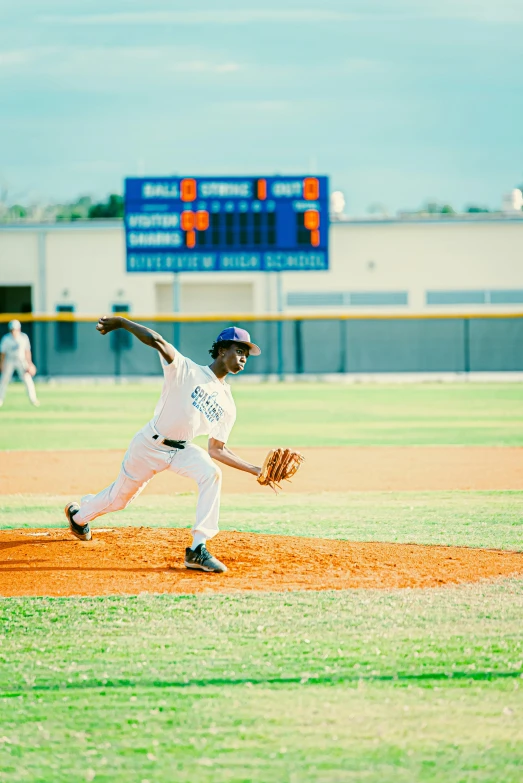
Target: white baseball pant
<point>142,461</point>
<point>8,368</point>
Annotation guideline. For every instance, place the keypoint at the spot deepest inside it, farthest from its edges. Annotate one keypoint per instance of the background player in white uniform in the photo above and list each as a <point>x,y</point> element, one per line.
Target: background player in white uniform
<point>195,400</point>
<point>15,356</point>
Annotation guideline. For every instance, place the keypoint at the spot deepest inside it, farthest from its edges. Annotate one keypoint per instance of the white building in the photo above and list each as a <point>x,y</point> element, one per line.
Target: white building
<point>471,263</point>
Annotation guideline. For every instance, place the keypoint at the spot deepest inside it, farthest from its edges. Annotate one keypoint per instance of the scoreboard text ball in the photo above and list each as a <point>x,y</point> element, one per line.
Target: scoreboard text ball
<point>204,224</point>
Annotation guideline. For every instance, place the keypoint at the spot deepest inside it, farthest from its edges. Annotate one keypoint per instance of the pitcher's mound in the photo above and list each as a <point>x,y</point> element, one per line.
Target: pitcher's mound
<point>136,560</point>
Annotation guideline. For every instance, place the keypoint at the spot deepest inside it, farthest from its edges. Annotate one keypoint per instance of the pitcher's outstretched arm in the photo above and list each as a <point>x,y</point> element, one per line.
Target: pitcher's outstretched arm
<point>109,323</point>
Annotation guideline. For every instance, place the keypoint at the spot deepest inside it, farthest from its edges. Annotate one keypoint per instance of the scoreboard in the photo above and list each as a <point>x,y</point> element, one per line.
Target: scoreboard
<point>214,224</point>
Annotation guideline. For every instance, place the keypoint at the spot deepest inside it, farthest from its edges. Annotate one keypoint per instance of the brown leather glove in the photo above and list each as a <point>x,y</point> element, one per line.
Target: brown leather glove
<point>280,465</point>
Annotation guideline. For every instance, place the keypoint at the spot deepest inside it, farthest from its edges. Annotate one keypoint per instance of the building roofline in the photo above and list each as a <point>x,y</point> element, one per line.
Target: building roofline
<point>72,225</point>
<point>479,217</point>
<point>436,220</point>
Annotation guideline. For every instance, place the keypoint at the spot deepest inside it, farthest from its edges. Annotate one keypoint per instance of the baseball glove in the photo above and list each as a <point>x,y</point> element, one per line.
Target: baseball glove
<point>280,465</point>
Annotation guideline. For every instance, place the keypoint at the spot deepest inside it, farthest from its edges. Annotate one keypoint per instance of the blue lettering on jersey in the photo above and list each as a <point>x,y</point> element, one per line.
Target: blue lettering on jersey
<point>207,404</point>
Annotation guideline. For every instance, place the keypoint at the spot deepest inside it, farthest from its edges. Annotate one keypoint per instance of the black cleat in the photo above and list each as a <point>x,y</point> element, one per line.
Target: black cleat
<point>83,532</point>
<point>202,559</point>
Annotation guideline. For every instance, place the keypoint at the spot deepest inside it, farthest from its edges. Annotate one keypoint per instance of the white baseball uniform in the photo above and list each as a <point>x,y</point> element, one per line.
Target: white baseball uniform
<point>193,402</point>
<point>14,347</point>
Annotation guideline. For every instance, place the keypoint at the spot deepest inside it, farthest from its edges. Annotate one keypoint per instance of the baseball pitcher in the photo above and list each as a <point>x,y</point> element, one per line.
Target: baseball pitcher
<point>195,400</point>
<point>15,356</point>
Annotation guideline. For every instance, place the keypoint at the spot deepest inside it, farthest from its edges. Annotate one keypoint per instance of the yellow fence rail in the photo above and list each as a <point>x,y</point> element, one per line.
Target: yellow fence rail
<point>235,317</point>
<point>293,343</point>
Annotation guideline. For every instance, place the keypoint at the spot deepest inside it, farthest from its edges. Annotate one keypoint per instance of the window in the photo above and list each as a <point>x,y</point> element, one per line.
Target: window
<point>315,299</point>
<point>347,298</point>
<point>513,296</point>
<point>480,296</point>
<point>455,297</point>
<point>121,340</point>
<point>65,331</point>
<point>379,298</point>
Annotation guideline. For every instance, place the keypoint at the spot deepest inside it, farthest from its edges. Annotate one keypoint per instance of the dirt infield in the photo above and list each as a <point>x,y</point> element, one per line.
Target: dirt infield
<point>135,560</point>
<point>326,470</point>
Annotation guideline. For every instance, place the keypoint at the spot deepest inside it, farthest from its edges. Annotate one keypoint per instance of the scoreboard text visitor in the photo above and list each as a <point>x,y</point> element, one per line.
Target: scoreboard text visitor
<point>204,224</point>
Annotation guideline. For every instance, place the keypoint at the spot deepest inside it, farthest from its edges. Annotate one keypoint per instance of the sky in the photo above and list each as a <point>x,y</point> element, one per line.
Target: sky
<point>398,101</point>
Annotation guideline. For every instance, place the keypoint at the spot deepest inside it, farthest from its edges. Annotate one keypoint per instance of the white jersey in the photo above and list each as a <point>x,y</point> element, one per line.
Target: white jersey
<point>14,348</point>
<point>193,402</point>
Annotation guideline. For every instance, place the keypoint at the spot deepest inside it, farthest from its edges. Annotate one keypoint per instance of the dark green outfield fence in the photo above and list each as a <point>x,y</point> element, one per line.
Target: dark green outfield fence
<point>66,346</point>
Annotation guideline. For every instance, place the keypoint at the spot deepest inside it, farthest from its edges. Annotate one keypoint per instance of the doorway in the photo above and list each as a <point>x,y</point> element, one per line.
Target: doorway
<point>16,299</point>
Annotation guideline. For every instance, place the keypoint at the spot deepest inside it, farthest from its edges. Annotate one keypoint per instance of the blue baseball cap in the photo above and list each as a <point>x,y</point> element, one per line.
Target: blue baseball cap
<point>237,335</point>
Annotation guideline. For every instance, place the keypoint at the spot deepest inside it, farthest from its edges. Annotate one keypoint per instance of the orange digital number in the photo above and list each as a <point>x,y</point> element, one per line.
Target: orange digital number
<point>311,188</point>
<point>315,238</point>
<point>202,220</point>
<point>261,188</point>
<point>311,219</point>
<point>188,189</point>
<point>191,238</point>
<point>187,220</point>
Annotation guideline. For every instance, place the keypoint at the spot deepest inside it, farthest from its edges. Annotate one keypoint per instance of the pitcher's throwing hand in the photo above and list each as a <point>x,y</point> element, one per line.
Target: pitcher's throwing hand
<point>108,323</point>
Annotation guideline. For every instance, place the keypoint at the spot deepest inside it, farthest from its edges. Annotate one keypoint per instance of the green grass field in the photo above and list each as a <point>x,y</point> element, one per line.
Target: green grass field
<point>373,686</point>
<point>105,416</point>
<point>362,685</point>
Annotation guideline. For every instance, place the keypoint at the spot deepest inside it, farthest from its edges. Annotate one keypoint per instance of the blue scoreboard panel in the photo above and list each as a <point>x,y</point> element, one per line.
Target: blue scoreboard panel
<point>213,224</point>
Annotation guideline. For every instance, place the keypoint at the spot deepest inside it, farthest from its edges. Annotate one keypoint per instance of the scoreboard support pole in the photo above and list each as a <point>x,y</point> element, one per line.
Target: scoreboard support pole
<point>279,325</point>
<point>176,309</point>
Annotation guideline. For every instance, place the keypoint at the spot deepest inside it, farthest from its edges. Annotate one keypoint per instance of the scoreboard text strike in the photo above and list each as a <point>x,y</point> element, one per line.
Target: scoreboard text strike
<point>204,224</point>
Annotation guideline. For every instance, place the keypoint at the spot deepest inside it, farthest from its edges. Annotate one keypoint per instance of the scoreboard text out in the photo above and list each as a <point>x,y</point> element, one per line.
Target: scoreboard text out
<point>204,224</point>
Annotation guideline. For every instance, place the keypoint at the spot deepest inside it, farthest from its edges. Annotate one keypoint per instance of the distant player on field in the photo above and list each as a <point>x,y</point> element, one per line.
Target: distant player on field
<point>15,356</point>
<point>195,400</point>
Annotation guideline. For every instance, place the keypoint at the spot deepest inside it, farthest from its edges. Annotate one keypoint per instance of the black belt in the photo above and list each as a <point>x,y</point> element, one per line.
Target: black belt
<point>174,444</point>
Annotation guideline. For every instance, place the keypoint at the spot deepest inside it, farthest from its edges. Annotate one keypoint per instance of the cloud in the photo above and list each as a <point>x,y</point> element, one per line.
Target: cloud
<point>485,11</point>
<point>15,57</point>
<point>360,65</point>
<point>482,11</point>
<point>96,166</point>
<point>201,66</point>
<point>81,65</point>
<point>251,16</point>
<point>264,107</point>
